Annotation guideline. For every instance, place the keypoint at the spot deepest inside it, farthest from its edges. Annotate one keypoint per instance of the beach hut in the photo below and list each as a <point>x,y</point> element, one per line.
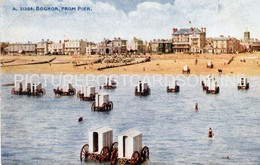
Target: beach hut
<point>210,64</point>
<point>186,69</point>
<point>87,93</point>
<point>100,145</point>
<point>67,90</point>
<point>142,89</point>
<point>110,84</point>
<point>102,102</point>
<point>130,148</point>
<point>243,84</point>
<point>173,87</point>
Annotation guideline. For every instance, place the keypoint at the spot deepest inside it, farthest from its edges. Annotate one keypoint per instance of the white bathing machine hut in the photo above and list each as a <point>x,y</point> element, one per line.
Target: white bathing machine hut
<point>36,89</point>
<point>102,102</point>
<point>100,145</point>
<point>28,88</point>
<point>173,87</point>
<point>67,90</point>
<point>130,147</point>
<point>212,86</point>
<point>20,86</point>
<point>87,93</point>
<point>100,138</point>
<point>243,84</point>
<point>210,64</point>
<point>110,83</point>
<point>186,69</point>
<point>206,81</point>
<point>142,89</point>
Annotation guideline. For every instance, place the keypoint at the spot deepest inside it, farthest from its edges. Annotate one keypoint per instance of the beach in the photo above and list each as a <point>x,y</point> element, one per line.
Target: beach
<point>244,63</point>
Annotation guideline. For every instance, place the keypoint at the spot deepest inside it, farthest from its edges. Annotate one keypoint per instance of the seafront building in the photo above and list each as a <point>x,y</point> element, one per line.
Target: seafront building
<point>42,47</point>
<point>119,45</point>
<point>191,40</point>
<point>75,47</point>
<point>91,48</point>
<point>56,48</point>
<point>220,45</point>
<point>105,47</point>
<point>160,46</point>
<point>22,48</point>
<point>250,44</point>
<point>135,45</point>
<point>223,44</point>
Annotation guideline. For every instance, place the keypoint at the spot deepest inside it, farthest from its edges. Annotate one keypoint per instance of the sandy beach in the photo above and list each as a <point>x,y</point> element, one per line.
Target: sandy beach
<point>160,64</point>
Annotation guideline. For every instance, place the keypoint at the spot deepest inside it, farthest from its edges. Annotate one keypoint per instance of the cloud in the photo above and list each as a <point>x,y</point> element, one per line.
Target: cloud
<point>147,21</point>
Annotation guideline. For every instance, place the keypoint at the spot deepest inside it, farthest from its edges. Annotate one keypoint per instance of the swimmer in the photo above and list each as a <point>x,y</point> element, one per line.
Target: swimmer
<point>80,119</point>
<point>196,106</point>
<point>210,133</point>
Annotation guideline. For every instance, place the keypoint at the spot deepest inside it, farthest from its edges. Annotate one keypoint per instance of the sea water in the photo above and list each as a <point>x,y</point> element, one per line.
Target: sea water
<point>45,130</point>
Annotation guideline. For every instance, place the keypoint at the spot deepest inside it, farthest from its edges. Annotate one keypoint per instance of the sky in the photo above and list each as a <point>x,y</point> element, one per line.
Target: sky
<point>153,19</point>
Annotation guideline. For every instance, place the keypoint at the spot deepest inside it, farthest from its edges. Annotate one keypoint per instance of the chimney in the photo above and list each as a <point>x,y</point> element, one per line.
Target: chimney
<point>201,29</point>
<point>42,40</point>
<point>191,29</point>
<point>60,41</point>
<point>205,29</point>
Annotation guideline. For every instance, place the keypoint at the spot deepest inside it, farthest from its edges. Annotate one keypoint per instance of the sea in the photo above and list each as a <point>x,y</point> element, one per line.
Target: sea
<point>45,130</point>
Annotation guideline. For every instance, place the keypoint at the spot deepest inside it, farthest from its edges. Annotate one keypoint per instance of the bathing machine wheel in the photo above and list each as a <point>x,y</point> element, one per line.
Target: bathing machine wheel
<point>84,153</point>
<point>104,107</point>
<point>43,91</point>
<point>114,146</point>
<point>114,156</point>
<point>79,94</point>
<point>93,108</point>
<point>135,158</point>
<point>145,153</point>
<point>110,105</point>
<point>104,155</point>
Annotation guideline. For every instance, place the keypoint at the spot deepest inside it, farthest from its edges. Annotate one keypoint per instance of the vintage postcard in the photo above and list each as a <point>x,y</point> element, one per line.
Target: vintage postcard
<point>130,82</point>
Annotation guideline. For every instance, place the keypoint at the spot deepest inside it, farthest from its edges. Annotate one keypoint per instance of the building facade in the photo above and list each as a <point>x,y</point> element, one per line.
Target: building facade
<point>75,47</point>
<point>191,40</point>
<point>105,47</point>
<point>21,48</point>
<point>91,48</point>
<point>119,46</point>
<point>226,45</point>
<point>220,45</point>
<point>164,46</point>
<point>42,47</point>
<point>233,45</point>
<point>56,48</point>
<point>135,45</point>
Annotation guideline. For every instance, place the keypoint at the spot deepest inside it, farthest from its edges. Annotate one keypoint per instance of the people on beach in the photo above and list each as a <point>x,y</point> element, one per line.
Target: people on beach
<point>210,133</point>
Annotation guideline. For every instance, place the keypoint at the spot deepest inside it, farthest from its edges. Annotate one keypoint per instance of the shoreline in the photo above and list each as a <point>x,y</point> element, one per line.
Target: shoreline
<point>166,64</point>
